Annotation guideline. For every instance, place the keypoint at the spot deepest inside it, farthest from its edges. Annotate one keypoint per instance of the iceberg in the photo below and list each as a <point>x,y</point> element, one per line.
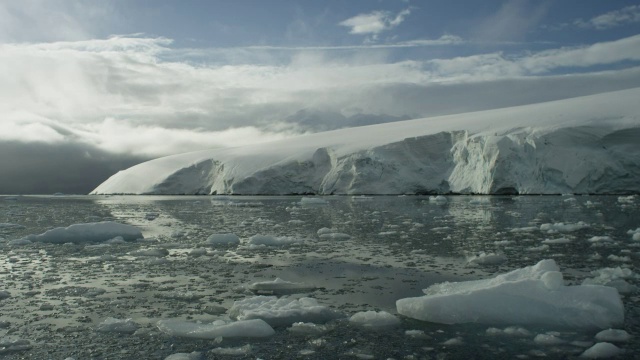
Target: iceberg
<point>579,145</point>
<point>534,295</point>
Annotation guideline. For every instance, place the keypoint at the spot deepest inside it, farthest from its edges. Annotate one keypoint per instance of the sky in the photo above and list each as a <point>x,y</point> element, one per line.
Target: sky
<point>88,88</point>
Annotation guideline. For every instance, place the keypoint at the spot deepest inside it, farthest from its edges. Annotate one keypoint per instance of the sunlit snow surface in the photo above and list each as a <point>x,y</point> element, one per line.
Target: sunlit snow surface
<point>330,272</point>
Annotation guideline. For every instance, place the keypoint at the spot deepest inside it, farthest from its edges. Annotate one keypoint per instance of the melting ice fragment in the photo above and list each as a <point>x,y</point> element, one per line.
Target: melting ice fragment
<point>282,311</point>
<point>126,326</point>
<point>88,232</point>
<point>238,329</point>
<point>602,350</point>
<point>534,295</point>
<point>374,319</point>
<point>279,286</point>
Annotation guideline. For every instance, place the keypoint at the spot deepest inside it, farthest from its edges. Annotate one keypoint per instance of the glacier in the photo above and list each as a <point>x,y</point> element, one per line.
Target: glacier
<point>585,145</point>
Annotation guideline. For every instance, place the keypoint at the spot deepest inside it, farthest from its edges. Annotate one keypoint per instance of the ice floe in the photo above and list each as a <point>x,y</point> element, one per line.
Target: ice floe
<point>270,240</point>
<point>222,239</point>
<point>282,311</point>
<point>531,295</point>
<point>185,356</point>
<point>127,326</point>
<point>279,286</point>
<point>302,328</point>
<point>602,350</point>
<point>87,232</point>
<point>613,335</point>
<point>374,319</point>
<point>332,234</point>
<point>613,277</point>
<point>254,328</point>
<point>483,258</point>
<point>562,227</point>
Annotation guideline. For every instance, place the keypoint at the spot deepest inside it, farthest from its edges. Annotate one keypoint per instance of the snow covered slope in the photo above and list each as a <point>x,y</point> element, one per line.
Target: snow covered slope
<point>589,144</point>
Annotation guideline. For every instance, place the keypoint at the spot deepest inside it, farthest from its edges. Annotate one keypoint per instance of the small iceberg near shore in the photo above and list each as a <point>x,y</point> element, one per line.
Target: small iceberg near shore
<point>534,295</point>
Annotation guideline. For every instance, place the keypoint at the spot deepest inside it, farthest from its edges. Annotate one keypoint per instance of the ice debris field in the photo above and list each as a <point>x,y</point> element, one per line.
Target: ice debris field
<point>151,277</point>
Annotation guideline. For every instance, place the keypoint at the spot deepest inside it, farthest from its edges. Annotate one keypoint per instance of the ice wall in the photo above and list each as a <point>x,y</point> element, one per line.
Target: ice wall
<point>583,145</point>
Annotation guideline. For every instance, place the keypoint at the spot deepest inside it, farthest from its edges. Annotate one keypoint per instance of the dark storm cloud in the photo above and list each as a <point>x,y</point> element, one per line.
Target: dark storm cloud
<point>39,168</point>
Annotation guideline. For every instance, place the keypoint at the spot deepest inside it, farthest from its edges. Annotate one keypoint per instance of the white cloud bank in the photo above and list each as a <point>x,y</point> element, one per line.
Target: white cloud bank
<point>374,22</point>
<point>122,94</point>
<point>624,16</point>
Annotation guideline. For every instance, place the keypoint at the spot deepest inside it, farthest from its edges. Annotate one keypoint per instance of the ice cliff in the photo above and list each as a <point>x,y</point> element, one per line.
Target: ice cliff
<point>589,144</point>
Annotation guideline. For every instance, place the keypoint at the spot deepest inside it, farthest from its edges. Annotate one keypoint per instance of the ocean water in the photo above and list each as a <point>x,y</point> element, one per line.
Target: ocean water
<point>59,294</point>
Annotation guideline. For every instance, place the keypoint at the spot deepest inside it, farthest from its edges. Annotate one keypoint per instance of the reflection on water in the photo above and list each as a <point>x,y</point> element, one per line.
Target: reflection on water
<point>396,246</point>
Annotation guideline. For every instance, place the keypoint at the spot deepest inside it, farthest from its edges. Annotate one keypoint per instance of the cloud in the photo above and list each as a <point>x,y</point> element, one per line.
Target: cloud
<point>511,22</point>
<point>44,20</point>
<point>374,22</point>
<point>497,65</point>
<point>626,15</point>
<point>44,168</point>
<point>141,97</point>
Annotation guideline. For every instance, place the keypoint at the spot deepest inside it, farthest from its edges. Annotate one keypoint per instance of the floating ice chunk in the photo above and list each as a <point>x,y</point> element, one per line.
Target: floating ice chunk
<point>282,311</point>
<point>19,242</point>
<point>562,240</point>
<point>181,295</point>
<point>302,328</point>
<point>374,319</point>
<point>486,259</point>
<point>151,216</point>
<point>238,329</point>
<point>279,286</point>
<point>456,341</point>
<point>602,350</point>
<point>116,240</point>
<point>523,296</point>
<point>185,356</point>
<point>335,236</point>
<point>480,201</point>
<point>9,345</point>
<point>89,232</point>
<point>4,294</point>
<point>548,340</point>
<point>326,230</point>
<point>600,239</point>
<point>613,335</point>
<point>515,331</point>
<point>270,240</point>
<point>332,234</point>
<point>626,199</point>
<point>238,351</point>
<point>635,234</point>
<point>197,252</point>
<point>438,199</point>
<point>613,277</point>
<point>417,334</point>
<point>126,326</point>
<point>313,201</point>
<point>223,239</point>
<point>526,229</point>
<point>562,227</point>
<point>619,258</point>
<point>543,247</point>
<point>10,226</point>
<point>159,252</point>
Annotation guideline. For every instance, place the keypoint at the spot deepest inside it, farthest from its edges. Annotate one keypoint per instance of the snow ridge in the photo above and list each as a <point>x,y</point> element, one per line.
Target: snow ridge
<point>580,145</point>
